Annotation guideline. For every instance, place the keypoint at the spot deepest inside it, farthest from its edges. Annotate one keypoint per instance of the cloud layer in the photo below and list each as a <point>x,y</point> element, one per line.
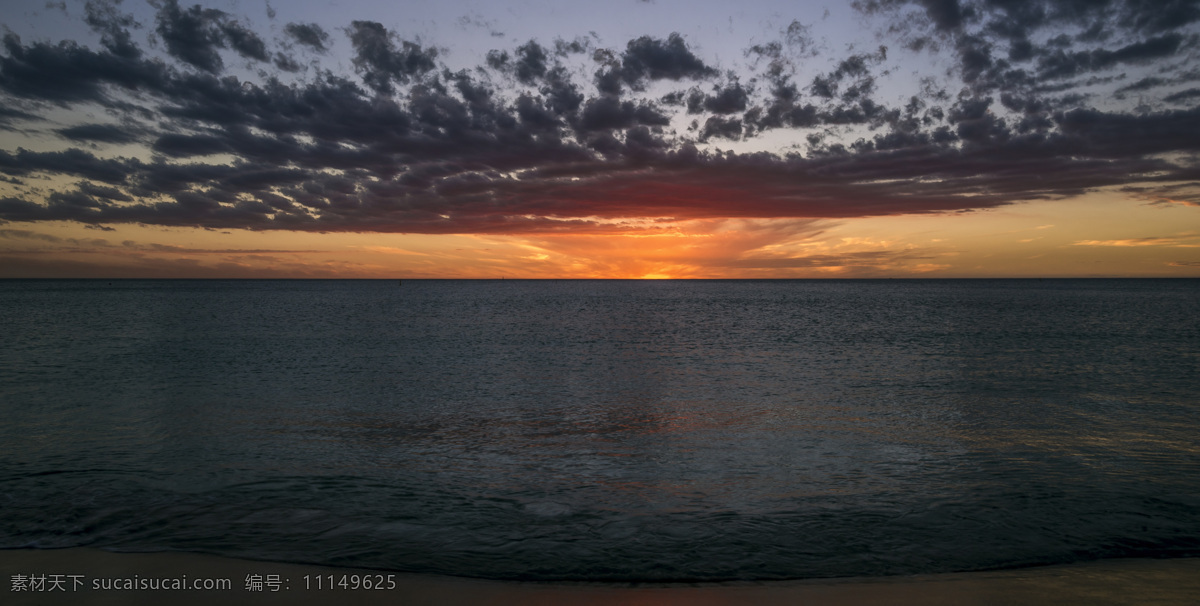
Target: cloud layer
<point>525,144</point>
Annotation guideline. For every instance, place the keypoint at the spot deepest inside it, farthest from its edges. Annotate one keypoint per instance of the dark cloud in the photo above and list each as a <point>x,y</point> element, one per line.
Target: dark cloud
<point>194,36</point>
<point>102,133</point>
<point>182,146</point>
<point>608,81</point>
<point>1004,45</point>
<point>578,46</point>
<point>1183,96</point>
<point>649,58</point>
<point>308,34</point>
<point>113,27</point>
<point>9,115</point>
<point>770,50</point>
<point>1142,84</point>
<point>104,192</point>
<point>726,128</point>
<point>244,41</point>
<point>563,97</point>
<point>727,100</point>
<point>66,72</point>
<point>1015,18</point>
<point>855,69</point>
<point>531,62</point>
<point>1061,64</point>
<point>1161,15</point>
<point>1167,77</point>
<point>945,14</point>
<point>71,162</point>
<point>498,59</point>
<point>1108,135</point>
<point>799,38</point>
<point>523,145</point>
<point>975,58</point>
<point>286,63</point>
<point>381,63</point>
<point>607,113</point>
<point>682,184</point>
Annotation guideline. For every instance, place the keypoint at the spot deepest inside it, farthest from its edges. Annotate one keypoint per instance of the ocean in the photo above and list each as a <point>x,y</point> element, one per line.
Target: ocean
<point>605,430</point>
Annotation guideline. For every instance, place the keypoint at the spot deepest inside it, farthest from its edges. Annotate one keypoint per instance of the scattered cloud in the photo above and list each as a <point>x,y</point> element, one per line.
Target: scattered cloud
<point>1190,241</point>
<point>308,34</point>
<point>527,143</point>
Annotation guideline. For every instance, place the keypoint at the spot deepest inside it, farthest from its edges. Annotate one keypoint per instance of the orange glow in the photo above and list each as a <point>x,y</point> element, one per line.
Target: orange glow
<point>1102,235</point>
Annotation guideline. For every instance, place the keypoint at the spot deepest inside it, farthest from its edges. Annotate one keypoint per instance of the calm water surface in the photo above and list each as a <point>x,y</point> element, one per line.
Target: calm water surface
<point>605,430</point>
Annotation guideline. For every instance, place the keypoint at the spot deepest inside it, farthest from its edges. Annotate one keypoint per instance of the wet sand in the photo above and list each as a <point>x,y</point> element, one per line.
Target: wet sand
<point>1140,581</point>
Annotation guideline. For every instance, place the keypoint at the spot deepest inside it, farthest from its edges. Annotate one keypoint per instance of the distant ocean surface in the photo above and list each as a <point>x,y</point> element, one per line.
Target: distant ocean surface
<point>605,430</point>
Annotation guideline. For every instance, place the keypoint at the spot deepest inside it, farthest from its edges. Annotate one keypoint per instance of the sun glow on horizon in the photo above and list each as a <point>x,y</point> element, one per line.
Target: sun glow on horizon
<point>1116,237</point>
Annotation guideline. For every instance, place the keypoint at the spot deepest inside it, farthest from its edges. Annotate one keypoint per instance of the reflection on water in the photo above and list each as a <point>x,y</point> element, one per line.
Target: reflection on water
<point>605,430</point>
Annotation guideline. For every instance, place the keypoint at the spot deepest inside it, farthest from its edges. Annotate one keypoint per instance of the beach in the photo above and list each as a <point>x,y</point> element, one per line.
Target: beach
<point>1120,581</point>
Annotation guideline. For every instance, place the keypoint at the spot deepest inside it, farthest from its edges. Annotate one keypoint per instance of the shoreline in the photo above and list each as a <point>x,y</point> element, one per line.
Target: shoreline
<point>1118,581</point>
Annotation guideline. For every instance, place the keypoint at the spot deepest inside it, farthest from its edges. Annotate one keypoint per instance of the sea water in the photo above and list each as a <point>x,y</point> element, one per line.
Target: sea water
<point>605,430</point>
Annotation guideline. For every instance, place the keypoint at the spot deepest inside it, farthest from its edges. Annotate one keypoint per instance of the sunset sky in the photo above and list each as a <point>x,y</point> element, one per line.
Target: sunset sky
<point>625,139</point>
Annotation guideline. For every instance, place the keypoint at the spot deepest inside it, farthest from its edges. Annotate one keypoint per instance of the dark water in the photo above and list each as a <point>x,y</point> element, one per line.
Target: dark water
<point>605,429</point>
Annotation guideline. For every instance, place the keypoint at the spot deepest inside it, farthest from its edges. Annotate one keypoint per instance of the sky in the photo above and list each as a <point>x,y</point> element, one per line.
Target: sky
<point>624,139</point>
